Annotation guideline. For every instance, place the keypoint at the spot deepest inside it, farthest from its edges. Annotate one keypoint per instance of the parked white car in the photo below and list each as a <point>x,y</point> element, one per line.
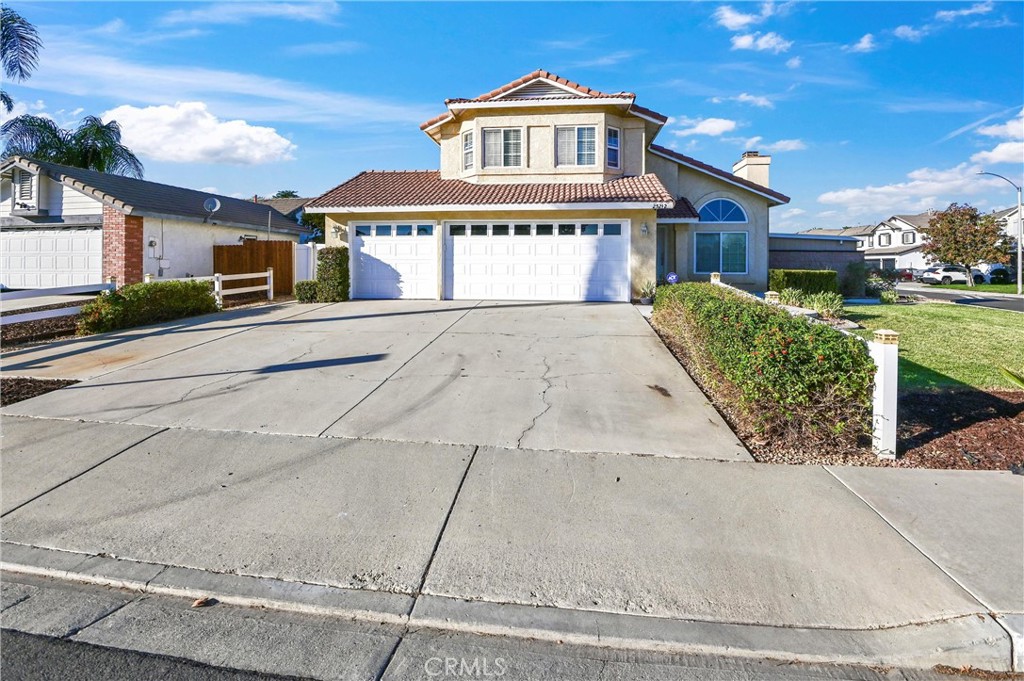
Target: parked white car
<point>945,274</point>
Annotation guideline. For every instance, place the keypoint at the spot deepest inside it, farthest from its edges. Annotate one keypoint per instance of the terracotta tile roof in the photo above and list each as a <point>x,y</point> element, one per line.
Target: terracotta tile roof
<point>711,170</point>
<point>426,188</point>
<point>682,209</point>
<point>585,92</point>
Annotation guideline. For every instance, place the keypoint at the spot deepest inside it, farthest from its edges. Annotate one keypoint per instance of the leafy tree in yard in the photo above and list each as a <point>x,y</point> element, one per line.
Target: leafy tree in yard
<point>960,235</point>
<point>19,50</point>
<point>286,194</point>
<point>315,221</point>
<point>93,144</point>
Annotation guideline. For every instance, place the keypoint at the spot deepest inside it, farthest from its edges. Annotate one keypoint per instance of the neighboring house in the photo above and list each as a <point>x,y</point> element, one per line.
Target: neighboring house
<point>290,208</point>
<point>1010,220</point>
<point>813,252</point>
<point>894,243</point>
<point>63,226</point>
<point>549,190</point>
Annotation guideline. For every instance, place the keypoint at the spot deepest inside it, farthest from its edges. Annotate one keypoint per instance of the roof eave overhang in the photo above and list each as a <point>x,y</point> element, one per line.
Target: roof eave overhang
<point>219,223</point>
<point>541,102</point>
<point>774,200</point>
<point>480,207</point>
<point>677,221</point>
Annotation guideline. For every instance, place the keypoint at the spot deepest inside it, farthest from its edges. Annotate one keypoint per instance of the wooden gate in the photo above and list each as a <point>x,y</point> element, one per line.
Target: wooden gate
<point>256,256</point>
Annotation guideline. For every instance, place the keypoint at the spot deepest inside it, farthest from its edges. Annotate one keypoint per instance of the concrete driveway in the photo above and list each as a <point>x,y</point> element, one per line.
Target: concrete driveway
<point>548,376</point>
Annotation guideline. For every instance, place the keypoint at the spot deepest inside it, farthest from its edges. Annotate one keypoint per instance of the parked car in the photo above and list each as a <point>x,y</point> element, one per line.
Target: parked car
<point>945,274</point>
<point>996,274</point>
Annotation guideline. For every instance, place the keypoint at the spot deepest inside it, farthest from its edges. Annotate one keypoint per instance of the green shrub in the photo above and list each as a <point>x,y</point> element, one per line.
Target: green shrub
<point>851,284</point>
<point>793,297</point>
<point>889,297</point>
<point>796,383</point>
<point>828,305</point>
<point>141,304</point>
<point>306,291</point>
<point>332,274</point>
<point>876,286</point>
<point>808,281</point>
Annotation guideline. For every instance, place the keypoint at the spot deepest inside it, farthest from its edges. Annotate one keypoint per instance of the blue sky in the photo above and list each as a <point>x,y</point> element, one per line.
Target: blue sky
<point>868,108</point>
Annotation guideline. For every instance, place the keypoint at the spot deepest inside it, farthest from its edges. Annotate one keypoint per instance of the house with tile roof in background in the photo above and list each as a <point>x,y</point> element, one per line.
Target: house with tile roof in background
<point>64,226</point>
<point>549,190</point>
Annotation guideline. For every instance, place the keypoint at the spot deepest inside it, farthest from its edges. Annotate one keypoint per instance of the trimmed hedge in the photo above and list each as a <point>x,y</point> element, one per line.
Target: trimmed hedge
<point>306,291</point>
<point>142,304</point>
<point>802,384</point>
<point>332,274</point>
<point>808,281</point>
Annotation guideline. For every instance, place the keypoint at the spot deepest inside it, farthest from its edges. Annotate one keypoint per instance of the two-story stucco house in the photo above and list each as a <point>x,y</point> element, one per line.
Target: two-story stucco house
<point>549,190</point>
<point>892,244</point>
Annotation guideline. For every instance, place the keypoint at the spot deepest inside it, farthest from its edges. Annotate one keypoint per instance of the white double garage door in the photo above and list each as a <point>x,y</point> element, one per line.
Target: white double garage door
<point>565,260</point>
<point>47,258</point>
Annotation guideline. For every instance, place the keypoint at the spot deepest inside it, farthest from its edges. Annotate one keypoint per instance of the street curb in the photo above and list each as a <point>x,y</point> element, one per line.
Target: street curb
<point>976,640</point>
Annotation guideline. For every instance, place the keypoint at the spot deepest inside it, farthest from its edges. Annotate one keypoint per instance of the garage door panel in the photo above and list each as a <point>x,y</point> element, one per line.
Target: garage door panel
<point>45,258</point>
<point>528,266</point>
<point>393,266</point>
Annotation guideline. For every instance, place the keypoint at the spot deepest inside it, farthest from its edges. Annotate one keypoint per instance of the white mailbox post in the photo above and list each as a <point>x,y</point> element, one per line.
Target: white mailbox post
<point>884,348</point>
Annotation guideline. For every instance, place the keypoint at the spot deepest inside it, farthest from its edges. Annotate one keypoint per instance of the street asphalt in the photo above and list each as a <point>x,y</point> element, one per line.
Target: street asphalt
<point>976,299</point>
<point>530,472</point>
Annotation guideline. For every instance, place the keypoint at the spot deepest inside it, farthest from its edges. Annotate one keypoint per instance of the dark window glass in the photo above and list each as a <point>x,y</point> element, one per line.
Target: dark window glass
<point>545,230</point>
<point>588,230</point>
<point>457,230</point>
<point>403,230</point>
<point>522,230</point>
<point>383,230</point>
<point>424,230</point>
<point>363,230</point>
<point>612,230</point>
<point>499,230</point>
<point>478,230</point>
<point>566,230</point>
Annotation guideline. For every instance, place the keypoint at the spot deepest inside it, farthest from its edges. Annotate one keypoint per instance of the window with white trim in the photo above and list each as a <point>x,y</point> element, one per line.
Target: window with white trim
<point>503,147</point>
<point>909,238</point>
<point>884,240</point>
<point>467,150</point>
<point>724,252</point>
<point>722,210</point>
<point>576,146</point>
<point>613,147</point>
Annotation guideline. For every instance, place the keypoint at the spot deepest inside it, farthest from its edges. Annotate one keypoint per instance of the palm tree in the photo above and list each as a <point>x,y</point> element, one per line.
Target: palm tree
<point>19,50</point>
<point>93,144</point>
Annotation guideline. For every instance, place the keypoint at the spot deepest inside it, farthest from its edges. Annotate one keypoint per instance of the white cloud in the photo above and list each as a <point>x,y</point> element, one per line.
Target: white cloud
<point>925,188</point>
<point>610,59</point>
<point>977,8</point>
<point>769,42</point>
<point>1012,129</point>
<point>779,146</point>
<point>910,33</point>
<point>734,20</point>
<point>243,12</point>
<point>322,49</point>
<point>755,100</point>
<point>793,212</point>
<point>865,44</point>
<point>794,63</point>
<point>705,126</point>
<point>1004,152</point>
<point>188,133</point>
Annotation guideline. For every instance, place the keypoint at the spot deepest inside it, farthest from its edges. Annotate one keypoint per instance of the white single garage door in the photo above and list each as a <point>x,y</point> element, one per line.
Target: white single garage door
<point>46,258</point>
<point>394,261</point>
<point>568,260</point>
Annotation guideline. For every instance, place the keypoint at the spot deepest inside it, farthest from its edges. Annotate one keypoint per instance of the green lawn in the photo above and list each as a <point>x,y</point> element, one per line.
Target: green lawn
<point>943,345</point>
<point>981,288</point>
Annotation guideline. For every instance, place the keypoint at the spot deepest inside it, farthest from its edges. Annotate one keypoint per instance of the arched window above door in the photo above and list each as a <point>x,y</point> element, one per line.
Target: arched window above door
<point>722,210</point>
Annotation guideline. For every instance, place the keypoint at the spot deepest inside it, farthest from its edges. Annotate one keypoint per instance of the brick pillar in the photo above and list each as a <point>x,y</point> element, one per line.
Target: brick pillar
<point>122,246</point>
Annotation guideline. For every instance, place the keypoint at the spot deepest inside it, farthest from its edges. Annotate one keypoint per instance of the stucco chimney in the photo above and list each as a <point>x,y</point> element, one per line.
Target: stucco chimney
<point>754,167</point>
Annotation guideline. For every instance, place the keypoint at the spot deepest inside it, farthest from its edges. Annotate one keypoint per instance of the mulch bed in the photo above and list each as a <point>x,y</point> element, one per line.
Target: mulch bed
<point>17,389</point>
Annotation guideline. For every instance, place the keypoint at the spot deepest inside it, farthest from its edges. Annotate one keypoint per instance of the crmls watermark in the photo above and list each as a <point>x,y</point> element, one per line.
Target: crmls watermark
<point>463,667</point>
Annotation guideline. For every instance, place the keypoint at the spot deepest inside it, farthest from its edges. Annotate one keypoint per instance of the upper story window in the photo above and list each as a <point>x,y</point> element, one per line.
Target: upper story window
<point>884,240</point>
<point>503,147</point>
<point>909,238</point>
<point>613,147</point>
<point>871,242</point>
<point>467,150</point>
<point>722,210</point>
<point>576,146</point>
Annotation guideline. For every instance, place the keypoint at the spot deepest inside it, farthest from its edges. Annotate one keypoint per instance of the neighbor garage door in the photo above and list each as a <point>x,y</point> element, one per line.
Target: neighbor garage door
<point>394,261</point>
<point>45,258</point>
<point>568,260</point>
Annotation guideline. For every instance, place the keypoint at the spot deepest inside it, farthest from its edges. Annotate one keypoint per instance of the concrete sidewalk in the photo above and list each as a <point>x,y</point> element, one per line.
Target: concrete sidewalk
<point>872,566</point>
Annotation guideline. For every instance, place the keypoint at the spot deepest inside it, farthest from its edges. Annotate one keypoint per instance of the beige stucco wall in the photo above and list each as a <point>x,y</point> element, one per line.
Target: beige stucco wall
<point>189,245</point>
<point>642,246</point>
<point>539,145</point>
<point>701,188</point>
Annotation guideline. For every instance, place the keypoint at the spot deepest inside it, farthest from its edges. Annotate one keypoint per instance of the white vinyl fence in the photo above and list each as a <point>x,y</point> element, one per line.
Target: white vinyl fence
<point>47,292</point>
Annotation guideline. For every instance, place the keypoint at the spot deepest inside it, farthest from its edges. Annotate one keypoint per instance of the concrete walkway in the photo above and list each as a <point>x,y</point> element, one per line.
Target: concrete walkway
<point>489,470</point>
